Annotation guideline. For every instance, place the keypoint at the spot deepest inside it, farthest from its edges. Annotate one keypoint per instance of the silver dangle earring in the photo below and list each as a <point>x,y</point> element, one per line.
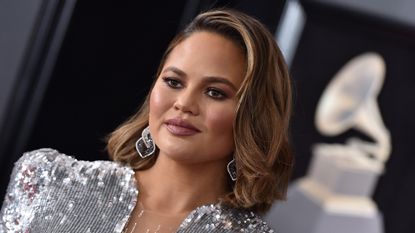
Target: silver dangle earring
<point>232,169</point>
<point>145,145</point>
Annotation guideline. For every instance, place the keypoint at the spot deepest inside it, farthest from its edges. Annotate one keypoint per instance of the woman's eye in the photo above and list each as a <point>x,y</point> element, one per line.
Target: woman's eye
<point>216,94</point>
<point>173,83</point>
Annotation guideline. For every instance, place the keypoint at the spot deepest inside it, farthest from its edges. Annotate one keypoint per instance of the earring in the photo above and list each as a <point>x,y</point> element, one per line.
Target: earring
<point>232,169</point>
<point>145,145</point>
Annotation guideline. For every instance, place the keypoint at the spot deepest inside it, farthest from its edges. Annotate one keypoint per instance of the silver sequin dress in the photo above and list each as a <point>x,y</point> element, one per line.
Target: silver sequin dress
<point>53,192</point>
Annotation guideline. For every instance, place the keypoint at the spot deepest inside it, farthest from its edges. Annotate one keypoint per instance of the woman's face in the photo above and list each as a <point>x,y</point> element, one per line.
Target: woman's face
<point>193,102</point>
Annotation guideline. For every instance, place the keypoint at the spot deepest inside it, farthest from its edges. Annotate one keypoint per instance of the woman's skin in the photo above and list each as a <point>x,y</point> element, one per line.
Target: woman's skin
<point>192,110</point>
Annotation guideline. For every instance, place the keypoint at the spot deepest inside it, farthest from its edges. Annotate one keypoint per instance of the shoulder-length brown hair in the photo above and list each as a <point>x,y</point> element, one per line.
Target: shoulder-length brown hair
<point>262,152</point>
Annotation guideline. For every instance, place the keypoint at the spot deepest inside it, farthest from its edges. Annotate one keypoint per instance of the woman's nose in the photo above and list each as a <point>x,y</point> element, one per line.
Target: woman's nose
<point>187,102</point>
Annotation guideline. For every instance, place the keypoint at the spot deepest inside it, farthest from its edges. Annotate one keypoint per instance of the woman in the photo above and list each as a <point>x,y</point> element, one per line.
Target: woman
<point>207,152</point>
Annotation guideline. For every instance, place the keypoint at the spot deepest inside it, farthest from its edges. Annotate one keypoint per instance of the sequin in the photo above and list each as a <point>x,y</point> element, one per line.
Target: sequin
<point>219,218</point>
<point>53,192</point>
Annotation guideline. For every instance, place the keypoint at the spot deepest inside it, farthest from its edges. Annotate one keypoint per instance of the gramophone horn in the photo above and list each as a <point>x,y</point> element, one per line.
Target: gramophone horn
<point>349,101</point>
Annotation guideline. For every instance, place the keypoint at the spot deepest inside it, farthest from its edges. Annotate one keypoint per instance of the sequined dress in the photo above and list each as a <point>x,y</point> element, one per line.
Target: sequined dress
<point>54,192</point>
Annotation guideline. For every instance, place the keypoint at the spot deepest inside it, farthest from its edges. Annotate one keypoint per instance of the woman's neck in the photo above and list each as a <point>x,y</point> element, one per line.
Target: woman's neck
<point>171,187</point>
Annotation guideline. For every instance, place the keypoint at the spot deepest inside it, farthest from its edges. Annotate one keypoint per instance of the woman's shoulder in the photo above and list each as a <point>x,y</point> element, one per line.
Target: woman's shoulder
<point>53,158</point>
<point>48,166</point>
<point>50,187</point>
<point>219,217</point>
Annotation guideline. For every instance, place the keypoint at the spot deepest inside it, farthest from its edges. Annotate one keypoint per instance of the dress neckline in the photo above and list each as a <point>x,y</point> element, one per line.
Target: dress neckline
<point>197,212</point>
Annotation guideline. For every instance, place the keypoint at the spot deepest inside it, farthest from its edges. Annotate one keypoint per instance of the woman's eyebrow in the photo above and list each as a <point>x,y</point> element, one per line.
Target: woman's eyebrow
<point>214,79</point>
<point>175,70</point>
<point>207,79</point>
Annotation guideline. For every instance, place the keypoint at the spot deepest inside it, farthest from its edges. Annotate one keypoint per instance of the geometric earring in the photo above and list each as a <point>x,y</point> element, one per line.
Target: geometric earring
<point>145,145</point>
<point>232,169</point>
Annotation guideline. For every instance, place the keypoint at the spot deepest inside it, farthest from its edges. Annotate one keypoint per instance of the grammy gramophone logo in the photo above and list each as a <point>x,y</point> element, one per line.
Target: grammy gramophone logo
<point>335,195</point>
<point>349,101</point>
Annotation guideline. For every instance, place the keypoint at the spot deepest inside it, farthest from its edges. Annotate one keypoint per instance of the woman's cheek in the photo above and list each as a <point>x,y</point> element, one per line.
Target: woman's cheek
<point>159,101</point>
<point>221,119</point>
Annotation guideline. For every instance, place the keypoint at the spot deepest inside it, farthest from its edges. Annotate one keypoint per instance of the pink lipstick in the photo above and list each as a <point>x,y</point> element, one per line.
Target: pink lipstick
<point>180,127</point>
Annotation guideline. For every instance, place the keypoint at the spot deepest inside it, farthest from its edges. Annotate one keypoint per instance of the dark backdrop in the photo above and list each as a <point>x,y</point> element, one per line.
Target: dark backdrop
<point>105,67</point>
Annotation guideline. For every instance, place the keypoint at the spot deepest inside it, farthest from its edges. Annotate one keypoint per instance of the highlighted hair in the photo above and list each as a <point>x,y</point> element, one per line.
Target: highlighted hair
<point>263,154</point>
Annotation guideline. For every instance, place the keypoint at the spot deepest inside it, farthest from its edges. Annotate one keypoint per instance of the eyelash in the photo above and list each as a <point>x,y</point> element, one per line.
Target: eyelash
<point>221,96</point>
<point>176,84</point>
<point>170,81</point>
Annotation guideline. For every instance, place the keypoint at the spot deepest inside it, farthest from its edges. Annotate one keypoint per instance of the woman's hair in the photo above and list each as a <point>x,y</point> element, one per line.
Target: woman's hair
<point>263,155</point>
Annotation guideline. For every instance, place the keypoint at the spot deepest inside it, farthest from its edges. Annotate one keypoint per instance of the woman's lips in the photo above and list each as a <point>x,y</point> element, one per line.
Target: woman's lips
<point>180,127</point>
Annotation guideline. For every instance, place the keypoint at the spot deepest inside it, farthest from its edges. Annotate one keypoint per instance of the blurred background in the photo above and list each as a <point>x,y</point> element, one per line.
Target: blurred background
<point>71,71</point>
